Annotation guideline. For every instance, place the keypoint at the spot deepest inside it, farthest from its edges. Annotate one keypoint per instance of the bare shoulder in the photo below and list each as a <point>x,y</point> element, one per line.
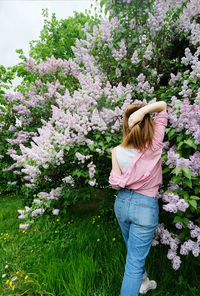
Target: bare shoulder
<point>114,148</point>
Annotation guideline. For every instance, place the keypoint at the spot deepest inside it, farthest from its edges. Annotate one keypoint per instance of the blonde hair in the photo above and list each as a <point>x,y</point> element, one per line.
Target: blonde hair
<point>140,136</point>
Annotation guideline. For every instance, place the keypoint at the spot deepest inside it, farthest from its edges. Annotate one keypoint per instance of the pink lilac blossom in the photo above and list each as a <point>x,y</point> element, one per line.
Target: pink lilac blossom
<point>92,183</point>
<point>195,232</point>
<point>174,203</point>
<point>30,65</point>
<point>194,164</point>
<point>176,262</point>
<point>179,225</point>
<point>12,183</point>
<point>172,187</point>
<point>170,239</point>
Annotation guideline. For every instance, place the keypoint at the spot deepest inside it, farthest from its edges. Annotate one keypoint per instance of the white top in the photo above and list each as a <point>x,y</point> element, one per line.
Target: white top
<point>125,157</point>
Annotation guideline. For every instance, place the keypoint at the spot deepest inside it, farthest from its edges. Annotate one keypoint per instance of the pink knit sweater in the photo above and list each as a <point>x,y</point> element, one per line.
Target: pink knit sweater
<point>145,172</point>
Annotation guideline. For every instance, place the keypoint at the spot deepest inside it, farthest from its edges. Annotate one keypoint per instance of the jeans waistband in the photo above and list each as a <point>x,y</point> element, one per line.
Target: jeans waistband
<point>132,191</point>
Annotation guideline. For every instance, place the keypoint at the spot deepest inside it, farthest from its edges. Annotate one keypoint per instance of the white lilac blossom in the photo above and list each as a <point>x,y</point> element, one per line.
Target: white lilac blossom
<point>24,226</point>
<point>148,53</point>
<point>37,212</point>
<point>121,53</point>
<point>68,180</point>
<point>134,58</point>
<point>37,201</point>
<point>118,72</point>
<point>188,119</point>
<point>55,211</point>
<point>174,78</point>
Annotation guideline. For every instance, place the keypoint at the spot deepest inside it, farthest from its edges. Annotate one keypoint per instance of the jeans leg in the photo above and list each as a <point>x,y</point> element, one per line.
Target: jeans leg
<point>125,226</point>
<point>138,247</point>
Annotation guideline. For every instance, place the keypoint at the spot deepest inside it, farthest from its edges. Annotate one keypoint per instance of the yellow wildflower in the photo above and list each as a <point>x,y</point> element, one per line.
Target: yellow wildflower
<point>13,287</point>
<point>7,282</point>
<point>57,220</point>
<point>99,216</point>
<point>10,283</point>
<point>114,239</point>
<point>98,239</point>
<point>68,222</point>
<point>26,277</point>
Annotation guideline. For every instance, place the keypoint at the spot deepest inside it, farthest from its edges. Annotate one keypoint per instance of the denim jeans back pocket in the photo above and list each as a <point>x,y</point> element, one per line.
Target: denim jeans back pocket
<point>145,213</point>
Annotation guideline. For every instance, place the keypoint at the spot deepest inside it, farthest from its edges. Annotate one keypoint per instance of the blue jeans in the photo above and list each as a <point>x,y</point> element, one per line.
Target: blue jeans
<point>137,215</point>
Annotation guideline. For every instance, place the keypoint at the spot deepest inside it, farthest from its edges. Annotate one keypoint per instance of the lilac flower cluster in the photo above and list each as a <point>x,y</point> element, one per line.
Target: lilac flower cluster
<point>69,180</point>
<point>121,53</point>
<point>188,119</point>
<point>170,239</point>
<point>174,203</point>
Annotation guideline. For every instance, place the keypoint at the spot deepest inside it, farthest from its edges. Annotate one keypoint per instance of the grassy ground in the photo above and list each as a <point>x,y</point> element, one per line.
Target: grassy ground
<point>82,254</point>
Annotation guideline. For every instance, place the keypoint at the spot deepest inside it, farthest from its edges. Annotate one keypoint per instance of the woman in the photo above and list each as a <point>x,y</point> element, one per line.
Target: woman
<point>136,173</point>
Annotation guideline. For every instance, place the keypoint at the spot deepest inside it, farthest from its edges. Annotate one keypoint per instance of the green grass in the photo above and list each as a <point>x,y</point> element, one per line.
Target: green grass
<point>67,259</point>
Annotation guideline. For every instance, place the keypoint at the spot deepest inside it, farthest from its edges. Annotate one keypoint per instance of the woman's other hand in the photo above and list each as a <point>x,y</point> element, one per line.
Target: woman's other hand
<point>135,117</point>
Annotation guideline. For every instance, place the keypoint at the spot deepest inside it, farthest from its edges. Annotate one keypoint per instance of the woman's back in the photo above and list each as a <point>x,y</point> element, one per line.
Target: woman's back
<point>142,171</point>
<point>125,157</point>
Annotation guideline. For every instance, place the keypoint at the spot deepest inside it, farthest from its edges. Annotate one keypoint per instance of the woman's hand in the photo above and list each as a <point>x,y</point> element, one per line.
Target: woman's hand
<point>135,117</point>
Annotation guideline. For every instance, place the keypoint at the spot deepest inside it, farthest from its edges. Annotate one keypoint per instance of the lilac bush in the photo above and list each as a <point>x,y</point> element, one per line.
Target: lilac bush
<point>60,137</point>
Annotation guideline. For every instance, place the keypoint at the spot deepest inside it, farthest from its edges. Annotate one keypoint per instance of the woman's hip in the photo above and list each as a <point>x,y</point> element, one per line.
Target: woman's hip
<point>137,208</point>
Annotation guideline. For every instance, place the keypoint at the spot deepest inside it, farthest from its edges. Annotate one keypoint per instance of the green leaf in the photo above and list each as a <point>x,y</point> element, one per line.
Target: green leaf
<point>166,170</point>
<point>185,221</point>
<point>188,182</point>
<point>185,194</point>
<point>176,170</point>
<point>195,197</point>
<point>180,144</point>
<point>108,138</point>
<point>171,133</point>
<point>196,190</point>
<point>177,219</point>
<point>190,143</point>
<point>176,180</point>
<point>193,203</point>
<point>181,236</point>
<point>187,173</point>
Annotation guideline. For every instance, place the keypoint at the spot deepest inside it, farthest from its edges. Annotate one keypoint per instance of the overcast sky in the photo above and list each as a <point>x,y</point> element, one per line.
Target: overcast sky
<point>21,21</point>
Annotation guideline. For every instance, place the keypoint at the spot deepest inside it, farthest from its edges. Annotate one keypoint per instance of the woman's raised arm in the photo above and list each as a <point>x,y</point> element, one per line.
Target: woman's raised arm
<point>140,113</point>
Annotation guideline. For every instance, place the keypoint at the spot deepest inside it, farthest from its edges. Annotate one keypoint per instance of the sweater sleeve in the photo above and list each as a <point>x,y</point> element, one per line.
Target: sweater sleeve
<point>116,181</point>
<point>160,123</point>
